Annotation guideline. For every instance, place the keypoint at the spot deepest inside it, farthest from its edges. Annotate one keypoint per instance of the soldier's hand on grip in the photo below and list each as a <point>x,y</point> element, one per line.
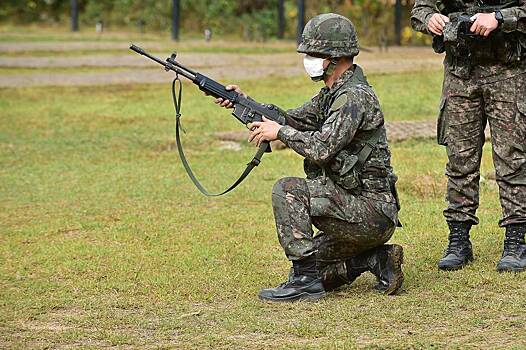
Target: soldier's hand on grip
<point>266,130</point>
<point>436,23</point>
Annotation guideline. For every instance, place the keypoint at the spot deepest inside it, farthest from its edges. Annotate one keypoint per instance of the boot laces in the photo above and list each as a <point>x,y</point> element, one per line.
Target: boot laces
<point>457,241</point>
<point>289,282</point>
<point>297,272</point>
<point>513,245</point>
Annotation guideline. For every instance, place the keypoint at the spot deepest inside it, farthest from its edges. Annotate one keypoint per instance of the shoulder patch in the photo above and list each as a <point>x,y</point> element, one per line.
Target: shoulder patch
<point>339,102</point>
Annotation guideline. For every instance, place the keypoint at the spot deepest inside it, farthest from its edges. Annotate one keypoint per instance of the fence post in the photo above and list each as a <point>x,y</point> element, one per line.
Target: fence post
<point>301,20</point>
<point>74,15</point>
<point>281,19</point>
<point>398,22</point>
<point>175,19</point>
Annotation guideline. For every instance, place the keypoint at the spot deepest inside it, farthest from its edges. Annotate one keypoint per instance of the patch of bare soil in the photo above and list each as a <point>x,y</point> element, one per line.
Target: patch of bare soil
<point>217,65</point>
<point>396,131</point>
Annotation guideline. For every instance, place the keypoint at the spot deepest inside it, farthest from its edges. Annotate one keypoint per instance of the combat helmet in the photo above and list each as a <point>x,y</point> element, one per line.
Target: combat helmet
<point>329,34</point>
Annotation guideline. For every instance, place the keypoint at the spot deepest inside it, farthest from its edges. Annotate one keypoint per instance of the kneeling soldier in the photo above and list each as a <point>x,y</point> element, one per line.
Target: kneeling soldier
<point>349,192</point>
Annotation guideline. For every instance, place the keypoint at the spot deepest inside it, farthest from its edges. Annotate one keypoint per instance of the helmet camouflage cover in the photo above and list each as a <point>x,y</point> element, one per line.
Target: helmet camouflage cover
<point>331,35</point>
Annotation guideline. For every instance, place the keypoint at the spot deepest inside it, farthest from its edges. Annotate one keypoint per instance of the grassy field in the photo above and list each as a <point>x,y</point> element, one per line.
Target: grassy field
<point>219,47</point>
<point>395,91</point>
<point>104,242</point>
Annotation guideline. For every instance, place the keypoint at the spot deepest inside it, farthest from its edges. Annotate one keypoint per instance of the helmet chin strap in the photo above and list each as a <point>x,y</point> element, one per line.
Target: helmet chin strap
<point>331,67</point>
<point>328,71</point>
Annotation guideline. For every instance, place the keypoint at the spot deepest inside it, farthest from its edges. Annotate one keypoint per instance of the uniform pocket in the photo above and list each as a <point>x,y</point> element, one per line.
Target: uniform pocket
<point>521,106</point>
<point>521,95</point>
<point>442,122</point>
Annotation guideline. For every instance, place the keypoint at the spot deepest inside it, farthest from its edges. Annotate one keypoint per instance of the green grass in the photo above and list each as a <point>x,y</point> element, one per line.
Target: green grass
<point>395,91</point>
<point>10,71</point>
<point>408,96</point>
<point>35,32</point>
<point>181,49</point>
<point>62,33</point>
<point>105,242</point>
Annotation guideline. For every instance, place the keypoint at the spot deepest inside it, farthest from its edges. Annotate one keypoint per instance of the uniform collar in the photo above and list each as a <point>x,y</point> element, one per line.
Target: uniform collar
<point>346,76</point>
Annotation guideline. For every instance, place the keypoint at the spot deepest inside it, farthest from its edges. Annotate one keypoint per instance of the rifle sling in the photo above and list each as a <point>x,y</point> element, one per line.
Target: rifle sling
<point>251,165</point>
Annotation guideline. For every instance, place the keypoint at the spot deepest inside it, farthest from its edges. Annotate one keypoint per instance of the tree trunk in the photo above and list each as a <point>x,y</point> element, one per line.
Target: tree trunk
<point>301,20</point>
<point>74,15</point>
<point>281,19</point>
<point>398,22</point>
<point>175,19</point>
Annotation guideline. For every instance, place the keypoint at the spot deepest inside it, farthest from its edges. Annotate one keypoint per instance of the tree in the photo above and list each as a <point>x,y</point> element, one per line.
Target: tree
<point>281,19</point>
<point>398,22</point>
<point>175,19</point>
<point>74,15</point>
<point>301,19</point>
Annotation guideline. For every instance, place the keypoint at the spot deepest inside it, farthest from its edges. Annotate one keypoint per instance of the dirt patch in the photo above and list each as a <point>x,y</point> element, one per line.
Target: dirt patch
<point>68,46</point>
<point>217,65</point>
<point>396,131</point>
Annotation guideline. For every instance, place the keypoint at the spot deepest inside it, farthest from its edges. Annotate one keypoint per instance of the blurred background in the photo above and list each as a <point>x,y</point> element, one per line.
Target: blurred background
<point>379,22</point>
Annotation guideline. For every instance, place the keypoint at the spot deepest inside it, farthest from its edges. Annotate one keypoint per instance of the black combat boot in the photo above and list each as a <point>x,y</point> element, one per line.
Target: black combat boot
<point>303,284</point>
<point>385,262</point>
<point>514,254</point>
<point>458,252</point>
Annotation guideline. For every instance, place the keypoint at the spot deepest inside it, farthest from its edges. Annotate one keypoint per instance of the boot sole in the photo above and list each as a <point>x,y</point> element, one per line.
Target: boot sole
<point>511,269</point>
<point>457,267</point>
<point>397,256</point>
<point>299,297</point>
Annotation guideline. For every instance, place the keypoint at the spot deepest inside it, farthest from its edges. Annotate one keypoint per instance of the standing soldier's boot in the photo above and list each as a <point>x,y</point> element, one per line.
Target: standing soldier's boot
<point>514,254</point>
<point>385,262</point>
<point>303,284</point>
<point>459,251</point>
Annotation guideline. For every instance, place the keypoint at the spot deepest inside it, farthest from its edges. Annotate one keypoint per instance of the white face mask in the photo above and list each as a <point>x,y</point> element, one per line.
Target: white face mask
<point>314,67</point>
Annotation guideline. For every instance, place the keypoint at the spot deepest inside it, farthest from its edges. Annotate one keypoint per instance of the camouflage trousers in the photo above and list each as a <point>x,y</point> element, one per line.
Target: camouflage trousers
<point>337,240</point>
<point>466,107</point>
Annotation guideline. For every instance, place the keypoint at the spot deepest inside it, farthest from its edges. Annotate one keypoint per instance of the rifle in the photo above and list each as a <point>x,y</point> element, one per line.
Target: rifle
<point>245,110</point>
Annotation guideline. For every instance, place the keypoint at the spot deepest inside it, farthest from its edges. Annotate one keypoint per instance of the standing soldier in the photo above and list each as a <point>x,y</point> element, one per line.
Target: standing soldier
<point>484,80</point>
<point>349,190</point>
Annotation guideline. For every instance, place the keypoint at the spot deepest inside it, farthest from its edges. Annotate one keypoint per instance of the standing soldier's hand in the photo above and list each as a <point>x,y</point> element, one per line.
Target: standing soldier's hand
<point>436,23</point>
<point>484,23</point>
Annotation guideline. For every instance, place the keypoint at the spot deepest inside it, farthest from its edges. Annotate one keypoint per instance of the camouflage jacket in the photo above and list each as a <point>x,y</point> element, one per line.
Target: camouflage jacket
<point>331,127</point>
<point>514,26</point>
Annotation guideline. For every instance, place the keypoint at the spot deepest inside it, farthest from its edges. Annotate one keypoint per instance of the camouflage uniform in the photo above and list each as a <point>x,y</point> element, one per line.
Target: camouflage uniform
<point>349,190</point>
<point>328,131</point>
<point>490,86</point>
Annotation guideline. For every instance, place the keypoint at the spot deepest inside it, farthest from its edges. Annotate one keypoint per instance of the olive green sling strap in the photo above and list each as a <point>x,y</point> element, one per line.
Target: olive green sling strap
<point>250,166</point>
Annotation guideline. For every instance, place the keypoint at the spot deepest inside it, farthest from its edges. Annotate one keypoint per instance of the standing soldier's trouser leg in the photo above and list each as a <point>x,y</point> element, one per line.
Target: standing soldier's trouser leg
<point>506,110</point>
<point>461,127</point>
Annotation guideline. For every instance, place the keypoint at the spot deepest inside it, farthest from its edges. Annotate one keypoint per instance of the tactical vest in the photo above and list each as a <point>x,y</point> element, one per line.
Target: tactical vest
<point>466,50</point>
<point>347,168</point>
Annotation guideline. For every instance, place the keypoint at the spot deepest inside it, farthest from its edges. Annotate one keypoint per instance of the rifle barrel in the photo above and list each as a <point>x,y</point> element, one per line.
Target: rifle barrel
<point>167,64</point>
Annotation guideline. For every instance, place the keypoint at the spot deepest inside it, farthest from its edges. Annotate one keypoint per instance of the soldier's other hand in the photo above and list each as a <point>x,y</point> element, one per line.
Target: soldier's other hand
<point>266,130</point>
<point>436,23</point>
<point>236,89</point>
<point>223,103</point>
<point>484,23</point>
